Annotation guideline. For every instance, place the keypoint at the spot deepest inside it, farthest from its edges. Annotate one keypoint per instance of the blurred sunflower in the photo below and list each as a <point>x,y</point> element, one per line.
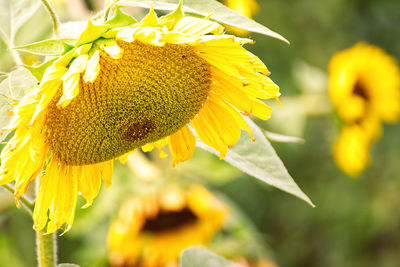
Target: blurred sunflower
<point>364,83</point>
<point>246,8</point>
<point>350,150</point>
<point>364,87</point>
<point>125,85</point>
<point>154,229</point>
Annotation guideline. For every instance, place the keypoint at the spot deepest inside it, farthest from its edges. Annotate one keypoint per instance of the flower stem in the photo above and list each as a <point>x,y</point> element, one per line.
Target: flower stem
<point>53,15</point>
<point>14,54</point>
<point>28,205</point>
<point>46,249</point>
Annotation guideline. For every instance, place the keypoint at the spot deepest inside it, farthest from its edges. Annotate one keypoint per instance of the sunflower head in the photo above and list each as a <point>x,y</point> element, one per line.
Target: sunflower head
<point>125,85</point>
<point>145,95</point>
<point>154,229</point>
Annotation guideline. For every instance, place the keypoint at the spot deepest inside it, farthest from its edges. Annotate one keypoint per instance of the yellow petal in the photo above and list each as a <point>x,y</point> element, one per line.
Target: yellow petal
<point>93,67</point>
<point>182,145</point>
<point>89,178</point>
<point>208,135</point>
<point>195,26</point>
<point>261,110</point>
<point>106,170</point>
<point>71,80</point>
<point>223,123</point>
<point>47,189</point>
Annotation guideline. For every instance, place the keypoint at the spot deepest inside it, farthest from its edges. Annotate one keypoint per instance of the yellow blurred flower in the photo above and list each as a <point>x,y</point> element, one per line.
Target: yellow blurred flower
<point>246,8</point>
<point>350,150</point>
<point>364,82</point>
<point>126,85</point>
<point>364,87</point>
<point>152,230</point>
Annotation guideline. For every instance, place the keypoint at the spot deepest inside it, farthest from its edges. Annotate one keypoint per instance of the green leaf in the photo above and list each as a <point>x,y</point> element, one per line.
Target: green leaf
<point>120,19</point>
<point>260,160</point>
<point>53,47</point>
<point>220,13</point>
<point>15,13</point>
<point>280,138</point>
<point>67,265</point>
<point>13,89</point>
<point>3,74</point>
<point>200,257</point>
<point>38,71</point>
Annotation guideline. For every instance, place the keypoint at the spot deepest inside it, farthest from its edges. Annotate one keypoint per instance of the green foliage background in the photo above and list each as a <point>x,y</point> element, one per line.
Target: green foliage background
<point>355,222</point>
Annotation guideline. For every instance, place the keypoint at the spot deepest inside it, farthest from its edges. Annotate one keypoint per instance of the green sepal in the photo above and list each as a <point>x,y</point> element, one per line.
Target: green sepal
<point>83,49</point>
<point>52,47</point>
<point>172,18</point>
<point>120,19</point>
<point>38,71</point>
<point>66,59</point>
<point>150,19</point>
<point>3,74</point>
<point>91,33</point>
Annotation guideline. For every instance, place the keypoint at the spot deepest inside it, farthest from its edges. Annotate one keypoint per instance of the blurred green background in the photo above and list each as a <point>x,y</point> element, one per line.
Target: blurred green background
<point>356,221</point>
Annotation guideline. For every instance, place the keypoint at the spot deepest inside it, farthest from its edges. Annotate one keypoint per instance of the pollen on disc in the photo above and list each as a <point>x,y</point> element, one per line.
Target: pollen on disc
<point>148,94</point>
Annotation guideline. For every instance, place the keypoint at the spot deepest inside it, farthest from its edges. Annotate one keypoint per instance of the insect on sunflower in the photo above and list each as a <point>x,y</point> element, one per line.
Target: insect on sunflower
<point>120,88</point>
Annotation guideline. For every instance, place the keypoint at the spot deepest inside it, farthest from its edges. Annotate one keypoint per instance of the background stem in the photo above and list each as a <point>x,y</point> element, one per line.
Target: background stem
<point>53,15</point>
<point>14,54</point>
<point>46,248</point>
<point>27,204</point>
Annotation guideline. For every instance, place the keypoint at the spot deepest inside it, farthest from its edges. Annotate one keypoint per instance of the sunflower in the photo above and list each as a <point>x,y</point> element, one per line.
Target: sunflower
<point>153,230</point>
<point>365,90</point>
<point>125,85</point>
<point>364,83</point>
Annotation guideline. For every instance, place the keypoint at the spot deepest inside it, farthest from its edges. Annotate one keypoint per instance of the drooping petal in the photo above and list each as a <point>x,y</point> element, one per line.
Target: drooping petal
<point>93,67</point>
<point>196,27</point>
<point>64,198</point>
<point>182,145</point>
<point>89,179</point>
<point>71,80</point>
<point>208,134</point>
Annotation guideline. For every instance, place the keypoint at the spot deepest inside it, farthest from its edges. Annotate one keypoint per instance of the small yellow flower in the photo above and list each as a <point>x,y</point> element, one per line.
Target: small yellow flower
<point>364,87</point>
<point>120,88</point>
<point>350,150</point>
<point>151,231</point>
